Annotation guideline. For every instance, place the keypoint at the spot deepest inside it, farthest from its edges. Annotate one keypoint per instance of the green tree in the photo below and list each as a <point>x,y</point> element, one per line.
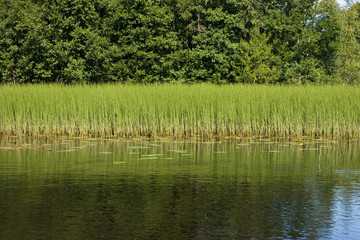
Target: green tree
<point>301,36</point>
<point>254,62</point>
<point>21,44</point>
<point>348,54</point>
<point>142,38</point>
<point>327,24</point>
<point>77,49</point>
<point>220,41</point>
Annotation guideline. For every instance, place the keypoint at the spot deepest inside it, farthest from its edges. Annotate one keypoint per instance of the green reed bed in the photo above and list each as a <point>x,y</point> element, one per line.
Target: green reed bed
<point>111,111</point>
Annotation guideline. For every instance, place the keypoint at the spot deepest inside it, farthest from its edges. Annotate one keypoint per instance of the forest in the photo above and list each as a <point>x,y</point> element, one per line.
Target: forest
<point>179,41</point>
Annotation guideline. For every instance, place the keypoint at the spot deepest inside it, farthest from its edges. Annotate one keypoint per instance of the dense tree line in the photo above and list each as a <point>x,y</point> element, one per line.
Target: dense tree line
<point>220,41</point>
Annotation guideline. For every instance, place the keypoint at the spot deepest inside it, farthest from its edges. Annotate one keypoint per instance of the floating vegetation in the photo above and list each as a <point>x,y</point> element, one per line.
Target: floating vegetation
<point>16,146</point>
<point>310,149</point>
<point>149,158</point>
<point>138,147</point>
<point>7,148</point>
<point>105,152</point>
<point>178,151</point>
<point>68,150</point>
<point>134,153</point>
<point>92,144</point>
<point>258,113</point>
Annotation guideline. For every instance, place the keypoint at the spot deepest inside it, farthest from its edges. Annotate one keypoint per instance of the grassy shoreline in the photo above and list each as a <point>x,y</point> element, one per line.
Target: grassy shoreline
<point>180,111</point>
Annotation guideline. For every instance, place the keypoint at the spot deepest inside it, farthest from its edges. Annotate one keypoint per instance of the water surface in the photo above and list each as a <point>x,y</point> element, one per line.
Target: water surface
<point>179,190</point>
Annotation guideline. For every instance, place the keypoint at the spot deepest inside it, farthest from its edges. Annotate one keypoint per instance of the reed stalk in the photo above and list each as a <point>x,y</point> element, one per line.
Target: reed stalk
<point>180,111</point>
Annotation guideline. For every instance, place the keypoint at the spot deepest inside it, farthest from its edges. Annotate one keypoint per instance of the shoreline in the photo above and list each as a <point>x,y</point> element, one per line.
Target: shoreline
<point>180,111</point>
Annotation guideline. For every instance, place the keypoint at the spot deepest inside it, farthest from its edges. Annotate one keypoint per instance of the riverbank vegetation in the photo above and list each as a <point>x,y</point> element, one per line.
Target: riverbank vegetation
<point>97,41</point>
<point>180,111</point>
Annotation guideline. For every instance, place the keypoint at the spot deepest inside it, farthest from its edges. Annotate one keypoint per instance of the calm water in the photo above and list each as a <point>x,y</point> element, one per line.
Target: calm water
<point>179,190</point>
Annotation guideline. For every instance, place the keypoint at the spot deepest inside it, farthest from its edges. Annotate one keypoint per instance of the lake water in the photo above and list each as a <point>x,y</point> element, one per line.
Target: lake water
<point>179,190</point>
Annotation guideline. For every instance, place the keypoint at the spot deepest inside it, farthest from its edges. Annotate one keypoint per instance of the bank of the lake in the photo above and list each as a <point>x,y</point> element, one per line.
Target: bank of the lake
<point>180,111</point>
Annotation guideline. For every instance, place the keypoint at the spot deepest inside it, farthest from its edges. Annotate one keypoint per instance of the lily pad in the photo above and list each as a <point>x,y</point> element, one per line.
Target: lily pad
<point>138,147</point>
<point>134,153</point>
<point>7,148</point>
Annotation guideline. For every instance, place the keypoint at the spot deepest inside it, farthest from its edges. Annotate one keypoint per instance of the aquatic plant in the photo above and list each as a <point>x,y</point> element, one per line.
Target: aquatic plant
<point>180,111</point>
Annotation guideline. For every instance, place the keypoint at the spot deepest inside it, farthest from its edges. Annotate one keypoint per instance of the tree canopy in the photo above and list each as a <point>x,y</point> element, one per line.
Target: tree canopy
<point>147,41</point>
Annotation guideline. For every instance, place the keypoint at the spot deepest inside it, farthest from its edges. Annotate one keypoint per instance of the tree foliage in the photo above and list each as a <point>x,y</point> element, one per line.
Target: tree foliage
<point>348,53</point>
<point>227,41</point>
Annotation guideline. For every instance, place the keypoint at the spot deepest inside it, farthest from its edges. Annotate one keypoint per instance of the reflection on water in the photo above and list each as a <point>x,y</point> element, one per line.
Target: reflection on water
<point>179,190</point>
<point>346,205</point>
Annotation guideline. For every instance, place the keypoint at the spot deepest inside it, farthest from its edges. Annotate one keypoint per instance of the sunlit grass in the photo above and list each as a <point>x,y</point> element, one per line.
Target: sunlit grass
<point>203,110</point>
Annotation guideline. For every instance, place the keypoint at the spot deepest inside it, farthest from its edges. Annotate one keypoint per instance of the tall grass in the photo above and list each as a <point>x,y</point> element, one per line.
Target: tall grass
<point>202,110</point>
